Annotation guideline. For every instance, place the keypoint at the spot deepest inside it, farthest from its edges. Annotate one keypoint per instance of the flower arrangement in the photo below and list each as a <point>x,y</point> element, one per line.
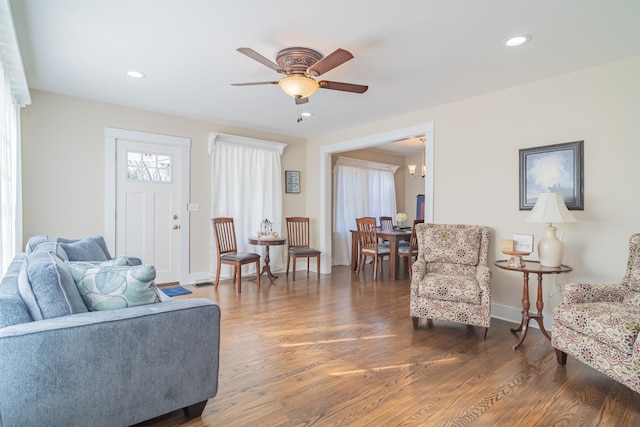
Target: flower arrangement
<point>401,217</point>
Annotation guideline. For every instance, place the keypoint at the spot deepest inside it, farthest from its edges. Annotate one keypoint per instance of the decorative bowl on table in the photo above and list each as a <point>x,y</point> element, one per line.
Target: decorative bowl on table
<point>515,258</point>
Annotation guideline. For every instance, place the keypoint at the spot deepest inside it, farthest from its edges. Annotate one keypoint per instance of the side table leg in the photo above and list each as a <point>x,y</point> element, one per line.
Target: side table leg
<point>524,323</point>
<point>266,268</point>
<point>540,306</point>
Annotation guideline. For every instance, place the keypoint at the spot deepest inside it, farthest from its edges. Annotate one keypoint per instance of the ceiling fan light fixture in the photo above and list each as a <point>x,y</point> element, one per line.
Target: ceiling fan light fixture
<point>298,86</point>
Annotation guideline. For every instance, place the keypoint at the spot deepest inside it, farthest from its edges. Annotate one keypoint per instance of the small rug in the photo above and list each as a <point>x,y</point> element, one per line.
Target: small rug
<point>175,291</point>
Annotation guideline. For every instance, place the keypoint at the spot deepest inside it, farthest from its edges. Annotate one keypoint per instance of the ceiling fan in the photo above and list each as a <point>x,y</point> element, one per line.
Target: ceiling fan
<point>300,65</point>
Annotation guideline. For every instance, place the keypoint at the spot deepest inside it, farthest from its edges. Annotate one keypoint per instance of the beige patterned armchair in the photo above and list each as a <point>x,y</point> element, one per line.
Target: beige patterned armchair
<point>450,279</point>
<point>598,324</point>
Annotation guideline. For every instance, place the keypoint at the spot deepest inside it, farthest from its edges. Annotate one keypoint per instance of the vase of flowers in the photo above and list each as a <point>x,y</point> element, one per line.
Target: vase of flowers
<point>401,219</point>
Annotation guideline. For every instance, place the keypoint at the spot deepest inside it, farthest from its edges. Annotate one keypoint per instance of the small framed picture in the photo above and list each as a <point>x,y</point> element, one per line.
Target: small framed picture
<point>292,181</point>
<point>523,243</point>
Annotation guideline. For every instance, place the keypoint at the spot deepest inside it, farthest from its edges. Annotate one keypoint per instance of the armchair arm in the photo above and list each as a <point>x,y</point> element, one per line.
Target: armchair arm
<point>418,270</point>
<point>586,292</point>
<point>483,276</point>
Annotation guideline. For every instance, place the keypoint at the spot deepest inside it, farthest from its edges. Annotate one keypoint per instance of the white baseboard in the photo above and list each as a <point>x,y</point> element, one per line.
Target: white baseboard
<point>514,315</point>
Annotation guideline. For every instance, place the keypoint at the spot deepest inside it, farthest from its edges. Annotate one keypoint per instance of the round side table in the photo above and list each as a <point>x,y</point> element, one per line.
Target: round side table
<point>531,267</point>
<point>266,268</point>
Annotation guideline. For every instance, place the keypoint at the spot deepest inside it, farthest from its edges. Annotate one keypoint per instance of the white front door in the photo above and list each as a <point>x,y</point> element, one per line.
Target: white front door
<point>150,213</point>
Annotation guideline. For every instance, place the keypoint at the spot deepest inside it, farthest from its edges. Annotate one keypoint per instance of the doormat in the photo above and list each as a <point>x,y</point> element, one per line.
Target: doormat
<point>175,291</point>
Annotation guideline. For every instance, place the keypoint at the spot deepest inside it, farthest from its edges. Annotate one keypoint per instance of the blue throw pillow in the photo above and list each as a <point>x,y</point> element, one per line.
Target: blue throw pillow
<point>47,288</point>
<point>98,239</point>
<point>86,249</point>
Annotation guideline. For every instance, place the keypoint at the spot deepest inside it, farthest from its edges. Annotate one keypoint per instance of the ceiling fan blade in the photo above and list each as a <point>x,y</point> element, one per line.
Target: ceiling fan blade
<point>255,83</point>
<point>300,101</point>
<point>345,87</point>
<point>339,57</point>
<point>261,59</point>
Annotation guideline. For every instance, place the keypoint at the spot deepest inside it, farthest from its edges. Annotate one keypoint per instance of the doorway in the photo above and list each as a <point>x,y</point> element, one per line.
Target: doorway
<point>146,194</point>
<point>426,129</point>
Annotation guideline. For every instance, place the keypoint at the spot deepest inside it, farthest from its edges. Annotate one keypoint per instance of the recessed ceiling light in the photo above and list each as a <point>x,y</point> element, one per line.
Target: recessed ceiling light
<point>306,114</point>
<point>517,40</point>
<point>135,74</point>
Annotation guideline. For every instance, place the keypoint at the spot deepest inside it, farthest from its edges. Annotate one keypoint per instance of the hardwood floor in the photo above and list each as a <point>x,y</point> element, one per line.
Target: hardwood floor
<point>343,351</point>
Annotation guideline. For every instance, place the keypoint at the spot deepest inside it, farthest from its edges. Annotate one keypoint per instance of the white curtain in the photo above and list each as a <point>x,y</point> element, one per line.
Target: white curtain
<point>14,94</point>
<point>361,189</point>
<point>247,186</point>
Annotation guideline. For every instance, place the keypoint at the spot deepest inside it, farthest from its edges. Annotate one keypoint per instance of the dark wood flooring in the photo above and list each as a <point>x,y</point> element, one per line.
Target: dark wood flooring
<point>343,351</point>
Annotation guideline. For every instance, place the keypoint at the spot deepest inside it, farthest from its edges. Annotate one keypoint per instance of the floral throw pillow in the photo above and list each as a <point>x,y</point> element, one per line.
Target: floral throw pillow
<point>114,287</point>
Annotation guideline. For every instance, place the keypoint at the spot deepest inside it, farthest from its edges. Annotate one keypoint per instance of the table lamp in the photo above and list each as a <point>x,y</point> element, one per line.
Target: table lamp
<point>550,208</point>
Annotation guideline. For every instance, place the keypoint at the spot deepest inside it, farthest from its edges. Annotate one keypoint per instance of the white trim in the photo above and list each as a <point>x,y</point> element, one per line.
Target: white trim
<point>326,233</point>
<point>358,163</point>
<point>11,58</point>
<point>111,136</point>
<point>243,140</point>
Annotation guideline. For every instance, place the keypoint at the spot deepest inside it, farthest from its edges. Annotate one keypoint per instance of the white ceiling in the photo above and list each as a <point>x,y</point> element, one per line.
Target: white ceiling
<point>413,54</point>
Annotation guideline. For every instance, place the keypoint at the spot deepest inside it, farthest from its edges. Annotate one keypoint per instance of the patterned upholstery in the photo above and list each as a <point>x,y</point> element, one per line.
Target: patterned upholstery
<point>598,324</point>
<point>450,279</point>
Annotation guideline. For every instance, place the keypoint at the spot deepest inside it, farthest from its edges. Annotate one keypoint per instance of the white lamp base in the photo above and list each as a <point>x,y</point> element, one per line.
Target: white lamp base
<point>550,249</point>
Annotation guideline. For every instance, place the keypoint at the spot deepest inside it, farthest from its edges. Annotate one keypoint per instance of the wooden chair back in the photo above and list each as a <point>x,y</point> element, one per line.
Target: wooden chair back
<point>298,232</point>
<point>413,240</point>
<point>367,234</point>
<point>225,235</point>
<point>386,223</point>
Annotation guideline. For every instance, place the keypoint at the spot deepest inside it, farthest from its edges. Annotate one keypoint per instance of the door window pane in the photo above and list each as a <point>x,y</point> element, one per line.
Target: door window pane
<point>149,167</point>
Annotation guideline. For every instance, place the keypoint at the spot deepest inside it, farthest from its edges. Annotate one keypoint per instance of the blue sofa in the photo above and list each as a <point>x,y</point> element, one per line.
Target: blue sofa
<point>110,367</point>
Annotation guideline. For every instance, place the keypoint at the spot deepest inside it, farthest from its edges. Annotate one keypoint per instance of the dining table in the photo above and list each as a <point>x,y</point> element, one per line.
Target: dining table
<point>394,236</point>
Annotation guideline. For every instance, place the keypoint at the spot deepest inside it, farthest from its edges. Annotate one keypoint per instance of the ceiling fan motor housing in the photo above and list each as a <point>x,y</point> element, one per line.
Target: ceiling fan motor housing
<point>296,60</point>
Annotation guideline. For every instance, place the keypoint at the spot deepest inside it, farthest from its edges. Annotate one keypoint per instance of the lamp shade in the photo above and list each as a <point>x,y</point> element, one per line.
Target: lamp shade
<point>297,86</point>
<point>550,208</point>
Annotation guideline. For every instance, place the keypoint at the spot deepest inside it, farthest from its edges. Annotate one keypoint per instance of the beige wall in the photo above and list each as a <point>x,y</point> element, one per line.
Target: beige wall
<point>63,167</point>
<point>476,167</point>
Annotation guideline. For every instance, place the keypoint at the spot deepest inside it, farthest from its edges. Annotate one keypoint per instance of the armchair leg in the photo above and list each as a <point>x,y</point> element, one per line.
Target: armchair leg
<point>415,322</point>
<point>561,357</point>
<point>484,333</point>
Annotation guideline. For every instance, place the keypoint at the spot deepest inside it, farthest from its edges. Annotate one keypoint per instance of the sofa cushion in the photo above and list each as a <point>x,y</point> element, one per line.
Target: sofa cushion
<point>43,249</point>
<point>87,249</point>
<point>452,244</point>
<point>450,288</point>
<point>13,312</point>
<point>34,241</point>
<point>47,288</point>
<point>114,287</point>
<point>614,324</point>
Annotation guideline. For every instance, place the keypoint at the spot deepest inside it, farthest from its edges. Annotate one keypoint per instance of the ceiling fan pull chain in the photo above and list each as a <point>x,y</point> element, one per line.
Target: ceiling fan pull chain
<point>299,115</point>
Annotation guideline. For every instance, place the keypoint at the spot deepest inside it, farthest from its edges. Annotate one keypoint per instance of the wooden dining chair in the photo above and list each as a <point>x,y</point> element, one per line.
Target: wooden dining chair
<point>368,244</point>
<point>298,244</point>
<point>225,235</point>
<point>386,224</point>
<point>410,251</point>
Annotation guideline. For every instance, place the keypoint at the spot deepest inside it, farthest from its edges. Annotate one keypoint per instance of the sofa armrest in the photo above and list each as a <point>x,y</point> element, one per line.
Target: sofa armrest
<point>576,293</point>
<point>105,368</point>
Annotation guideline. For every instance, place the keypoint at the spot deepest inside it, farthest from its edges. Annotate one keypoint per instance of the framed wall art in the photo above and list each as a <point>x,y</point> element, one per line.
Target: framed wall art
<point>292,181</point>
<point>554,168</point>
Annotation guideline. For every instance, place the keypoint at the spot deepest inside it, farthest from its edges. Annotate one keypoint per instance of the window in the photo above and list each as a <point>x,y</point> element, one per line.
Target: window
<point>14,94</point>
<point>149,167</point>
